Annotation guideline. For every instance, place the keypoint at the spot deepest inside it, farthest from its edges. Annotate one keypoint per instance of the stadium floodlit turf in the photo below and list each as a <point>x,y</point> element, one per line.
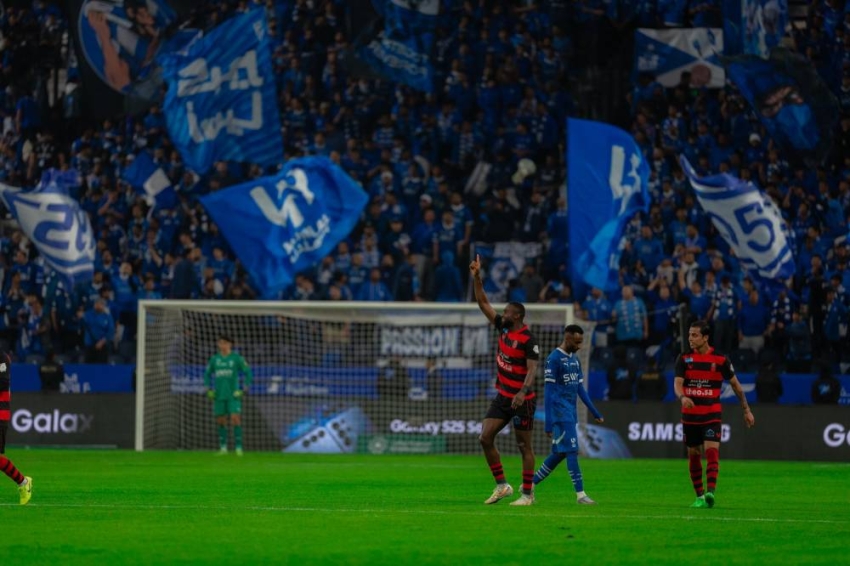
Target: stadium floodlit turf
<point>115,507</point>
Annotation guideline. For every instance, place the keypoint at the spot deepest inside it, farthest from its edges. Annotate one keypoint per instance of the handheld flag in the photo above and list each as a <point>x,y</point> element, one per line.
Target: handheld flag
<point>748,220</point>
<point>607,185</point>
<point>150,181</point>
<point>280,225</point>
<point>790,99</point>
<point>58,227</point>
<point>221,102</point>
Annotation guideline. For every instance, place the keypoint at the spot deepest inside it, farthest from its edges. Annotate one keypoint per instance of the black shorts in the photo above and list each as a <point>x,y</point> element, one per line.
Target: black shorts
<point>3,426</point>
<point>695,434</point>
<point>522,416</point>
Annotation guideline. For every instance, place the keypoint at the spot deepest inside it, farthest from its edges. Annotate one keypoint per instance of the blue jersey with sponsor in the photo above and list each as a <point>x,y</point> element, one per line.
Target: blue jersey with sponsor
<point>563,383</point>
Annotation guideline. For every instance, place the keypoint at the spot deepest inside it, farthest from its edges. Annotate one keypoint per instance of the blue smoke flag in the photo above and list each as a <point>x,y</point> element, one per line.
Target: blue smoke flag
<point>221,102</point>
<point>56,224</point>
<point>790,99</point>
<point>280,225</point>
<point>607,185</point>
<point>150,181</point>
<point>748,220</point>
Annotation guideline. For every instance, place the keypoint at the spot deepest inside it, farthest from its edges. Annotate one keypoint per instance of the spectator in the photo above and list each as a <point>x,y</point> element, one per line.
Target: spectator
<point>99,331</point>
<point>447,284</point>
<point>753,323</point>
<point>622,375</point>
<point>629,315</point>
<point>768,383</point>
<point>374,289</point>
<point>597,309</point>
<point>799,354</point>
<point>51,373</point>
<point>826,389</point>
<point>433,379</point>
<point>724,313</point>
<point>651,384</point>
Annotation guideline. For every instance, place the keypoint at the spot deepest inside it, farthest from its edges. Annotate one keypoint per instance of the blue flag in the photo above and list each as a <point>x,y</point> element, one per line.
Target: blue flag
<point>150,181</point>
<point>748,220</point>
<point>607,185</point>
<point>56,224</point>
<point>280,225</point>
<point>753,27</point>
<point>790,99</point>
<point>221,102</point>
<point>400,48</point>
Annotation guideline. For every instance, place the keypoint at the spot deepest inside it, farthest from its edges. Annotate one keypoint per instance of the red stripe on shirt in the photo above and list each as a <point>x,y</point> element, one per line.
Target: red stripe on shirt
<point>702,409</point>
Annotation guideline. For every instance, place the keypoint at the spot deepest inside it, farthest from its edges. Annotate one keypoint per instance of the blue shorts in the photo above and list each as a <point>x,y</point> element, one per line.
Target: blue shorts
<point>564,438</point>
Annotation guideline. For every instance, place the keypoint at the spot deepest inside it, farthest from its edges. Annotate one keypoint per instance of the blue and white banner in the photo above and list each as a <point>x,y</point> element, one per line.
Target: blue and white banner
<point>404,59</point>
<point>58,227</point>
<point>754,27</point>
<point>280,225</point>
<point>667,53</point>
<point>502,262</point>
<point>150,181</point>
<point>791,100</point>
<point>748,220</point>
<point>221,100</point>
<point>401,52</point>
<point>607,185</point>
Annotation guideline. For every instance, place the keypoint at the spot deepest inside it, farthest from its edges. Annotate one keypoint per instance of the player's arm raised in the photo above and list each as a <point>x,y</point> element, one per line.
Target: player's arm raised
<point>478,287</point>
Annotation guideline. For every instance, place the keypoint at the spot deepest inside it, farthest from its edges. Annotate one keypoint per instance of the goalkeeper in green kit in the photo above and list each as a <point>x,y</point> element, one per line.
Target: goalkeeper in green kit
<point>222,381</point>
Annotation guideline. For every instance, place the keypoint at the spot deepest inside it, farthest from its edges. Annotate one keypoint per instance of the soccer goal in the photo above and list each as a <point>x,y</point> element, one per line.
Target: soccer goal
<point>329,377</point>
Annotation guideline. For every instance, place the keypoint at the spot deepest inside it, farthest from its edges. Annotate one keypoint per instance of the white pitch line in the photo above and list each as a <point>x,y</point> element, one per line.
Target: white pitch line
<point>704,517</point>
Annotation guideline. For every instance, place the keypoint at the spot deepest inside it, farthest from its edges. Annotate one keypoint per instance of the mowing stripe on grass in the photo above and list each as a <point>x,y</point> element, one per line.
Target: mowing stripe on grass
<point>273,509</point>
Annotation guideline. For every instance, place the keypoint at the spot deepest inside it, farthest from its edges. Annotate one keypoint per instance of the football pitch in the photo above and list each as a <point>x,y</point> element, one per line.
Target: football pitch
<point>117,507</point>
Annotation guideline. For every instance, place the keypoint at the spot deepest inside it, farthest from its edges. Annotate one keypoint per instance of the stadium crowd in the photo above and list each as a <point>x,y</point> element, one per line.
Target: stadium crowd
<point>505,76</point>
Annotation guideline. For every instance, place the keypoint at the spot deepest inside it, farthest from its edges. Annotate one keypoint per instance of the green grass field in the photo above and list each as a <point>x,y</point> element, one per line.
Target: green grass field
<point>115,507</point>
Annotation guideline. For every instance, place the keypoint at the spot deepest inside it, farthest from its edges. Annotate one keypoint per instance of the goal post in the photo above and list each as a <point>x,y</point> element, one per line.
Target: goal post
<point>330,377</point>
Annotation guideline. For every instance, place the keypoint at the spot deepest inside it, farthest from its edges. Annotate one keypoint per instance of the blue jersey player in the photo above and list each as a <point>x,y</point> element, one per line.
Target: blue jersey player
<point>563,377</point>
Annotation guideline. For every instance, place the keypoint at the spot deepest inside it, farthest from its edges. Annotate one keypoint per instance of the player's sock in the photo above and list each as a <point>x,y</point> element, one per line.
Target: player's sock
<point>712,455</point>
<point>222,436</point>
<point>237,436</point>
<point>549,464</point>
<point>527,476</point>
<point>575,472</point>
<point>695,464</point>
<point>498,472</point>
<point>8,468</point>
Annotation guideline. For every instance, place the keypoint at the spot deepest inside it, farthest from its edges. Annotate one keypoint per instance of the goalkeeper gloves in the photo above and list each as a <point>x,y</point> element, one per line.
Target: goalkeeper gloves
<point>211,393</point>
<point>238,393</point>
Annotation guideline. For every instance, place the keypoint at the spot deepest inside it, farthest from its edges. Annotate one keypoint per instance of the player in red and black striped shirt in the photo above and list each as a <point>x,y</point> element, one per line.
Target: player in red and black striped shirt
<point>515,400</point>
<point>6,465</point>
<point>699,381</point>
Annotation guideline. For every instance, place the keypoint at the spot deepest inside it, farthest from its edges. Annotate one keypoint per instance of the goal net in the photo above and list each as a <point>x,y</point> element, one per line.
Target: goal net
<point>330,377</point>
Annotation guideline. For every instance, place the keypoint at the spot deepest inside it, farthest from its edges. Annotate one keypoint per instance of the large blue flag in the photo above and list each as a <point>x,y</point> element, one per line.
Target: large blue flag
<point>607,185</point>
<point>748,220</point>
<point>150,181</point>
<point>56,224</point>
<point>790,99</point>
<point>280,225</point>
<point>221,100</point>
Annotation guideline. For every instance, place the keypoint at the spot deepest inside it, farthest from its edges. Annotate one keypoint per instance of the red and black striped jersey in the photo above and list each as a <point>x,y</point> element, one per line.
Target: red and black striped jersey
<point>5,385</point>
<point>516,347</point>
<point>704,375</point>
